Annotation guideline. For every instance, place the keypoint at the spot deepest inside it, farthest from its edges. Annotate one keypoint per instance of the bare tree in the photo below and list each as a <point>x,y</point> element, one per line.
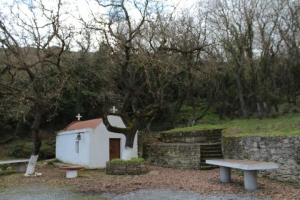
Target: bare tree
<point>234,23</point>
<point>290,34</point>
<point>31,54</point>
<point>186,37</point>
<point>141,77</point>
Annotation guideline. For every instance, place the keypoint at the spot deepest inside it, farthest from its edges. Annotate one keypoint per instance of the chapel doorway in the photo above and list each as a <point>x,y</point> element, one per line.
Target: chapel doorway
<point>114,148</point>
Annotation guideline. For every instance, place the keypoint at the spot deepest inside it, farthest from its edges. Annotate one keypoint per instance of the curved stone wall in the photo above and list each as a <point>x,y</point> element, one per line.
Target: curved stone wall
<point>126,168</point>
<point>284,150</point>
<point>174,155</point>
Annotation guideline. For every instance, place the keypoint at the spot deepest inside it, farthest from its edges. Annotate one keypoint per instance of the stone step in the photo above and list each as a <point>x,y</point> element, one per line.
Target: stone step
<point>213,140</point>
<point>211,153</point>
<point>211,144</point>
<point>203,163</point>
<point>216,144</point>
<point>211,149</point>
<point>212,156</point>
<point>214,135</point>
<point>207,167</point>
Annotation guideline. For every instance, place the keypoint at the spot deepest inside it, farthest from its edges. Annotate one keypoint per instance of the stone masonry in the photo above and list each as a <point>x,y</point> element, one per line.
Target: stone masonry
<point>283,150</point>
<point>179,149</point>
<point>185,156</point>
<point>126,168</point>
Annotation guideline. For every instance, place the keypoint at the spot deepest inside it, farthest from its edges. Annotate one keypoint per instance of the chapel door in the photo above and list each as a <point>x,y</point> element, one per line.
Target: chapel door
<point>114,148</point>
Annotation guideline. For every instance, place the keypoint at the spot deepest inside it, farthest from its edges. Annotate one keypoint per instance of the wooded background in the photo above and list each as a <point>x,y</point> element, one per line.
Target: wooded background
<point>235,59</point>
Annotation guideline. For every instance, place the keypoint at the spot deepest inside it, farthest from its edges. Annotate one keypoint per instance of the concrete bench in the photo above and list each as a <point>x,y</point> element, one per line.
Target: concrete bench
<point>249,167</point>
<point>71,171</point>
<point>19,163</point>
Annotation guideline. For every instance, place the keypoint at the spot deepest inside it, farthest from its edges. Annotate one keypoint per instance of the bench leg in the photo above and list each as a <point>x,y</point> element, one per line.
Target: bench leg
<point>250,179</point>
<point>225,174</point>
<point>71,174</point>
<point>20,167</point>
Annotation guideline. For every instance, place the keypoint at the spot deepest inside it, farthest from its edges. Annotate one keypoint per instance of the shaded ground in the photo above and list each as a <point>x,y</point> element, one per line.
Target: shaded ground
<point>95,183</point>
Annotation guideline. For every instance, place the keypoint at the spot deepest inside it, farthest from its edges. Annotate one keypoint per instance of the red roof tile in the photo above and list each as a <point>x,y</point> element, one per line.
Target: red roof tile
<point>93,123</point>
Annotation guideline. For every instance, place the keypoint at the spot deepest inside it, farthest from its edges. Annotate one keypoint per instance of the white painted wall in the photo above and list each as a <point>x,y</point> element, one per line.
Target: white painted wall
<point>118,122</point>
<point>99,148</point>
<point>66,147</point>
<point>93,146</point>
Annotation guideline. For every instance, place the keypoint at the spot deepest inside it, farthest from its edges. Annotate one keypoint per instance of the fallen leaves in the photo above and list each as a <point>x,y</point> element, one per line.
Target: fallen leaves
<point>204,182</point>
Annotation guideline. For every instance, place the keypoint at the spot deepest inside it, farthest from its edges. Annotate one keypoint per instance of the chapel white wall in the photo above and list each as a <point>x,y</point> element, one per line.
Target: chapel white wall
<point>99,148</point>
<point>66,147</point>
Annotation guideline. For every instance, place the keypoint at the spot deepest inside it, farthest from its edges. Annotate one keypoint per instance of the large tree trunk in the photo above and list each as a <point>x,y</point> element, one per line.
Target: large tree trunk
<point>241,95</point>
<point>130,135</point>
<point>37,143</point>
<point>177,107</point>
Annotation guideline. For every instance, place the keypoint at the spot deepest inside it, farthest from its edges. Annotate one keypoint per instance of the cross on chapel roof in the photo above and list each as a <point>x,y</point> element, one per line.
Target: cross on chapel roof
<point>114,110</point>
<point>78,117</point>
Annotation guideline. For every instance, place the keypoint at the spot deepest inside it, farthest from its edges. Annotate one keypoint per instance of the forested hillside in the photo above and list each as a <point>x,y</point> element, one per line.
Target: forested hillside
<point>157,63</point>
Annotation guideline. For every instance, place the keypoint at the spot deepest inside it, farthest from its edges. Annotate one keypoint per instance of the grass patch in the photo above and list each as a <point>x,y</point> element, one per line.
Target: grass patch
<point>132,160</point>
<point>195,128</point>
<point>281,126</point>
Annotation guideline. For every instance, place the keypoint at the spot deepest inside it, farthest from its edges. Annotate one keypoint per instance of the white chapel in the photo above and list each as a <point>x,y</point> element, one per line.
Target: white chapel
<point>89,144</point>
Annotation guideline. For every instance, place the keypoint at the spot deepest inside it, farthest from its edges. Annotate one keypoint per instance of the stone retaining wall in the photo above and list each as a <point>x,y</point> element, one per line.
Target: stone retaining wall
<point>200,136</point>
<point>145,139</point>
<point>185,156</point>
<point>123,168</point>
<point>283,150</point>
<point>203,136</point>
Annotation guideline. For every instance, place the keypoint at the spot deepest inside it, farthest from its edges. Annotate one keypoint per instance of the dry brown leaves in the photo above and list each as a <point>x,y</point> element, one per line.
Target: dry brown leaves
<point>204,182</point>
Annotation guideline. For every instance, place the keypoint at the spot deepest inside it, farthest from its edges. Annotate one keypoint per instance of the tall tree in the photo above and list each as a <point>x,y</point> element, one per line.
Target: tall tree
<point>141,78</point>
<point>186,37</point>
<point>28,32</point>
<point>234,23</point>
<point>290,34</point>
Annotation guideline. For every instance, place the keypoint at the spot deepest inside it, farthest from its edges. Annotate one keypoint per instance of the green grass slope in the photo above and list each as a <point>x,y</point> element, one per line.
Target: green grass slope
<point>284,125</point>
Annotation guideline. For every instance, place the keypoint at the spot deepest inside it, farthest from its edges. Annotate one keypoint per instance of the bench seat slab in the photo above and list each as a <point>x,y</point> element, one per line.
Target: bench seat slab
<point>13,161</point>
<point>20,164</point>
<point>243,164</point>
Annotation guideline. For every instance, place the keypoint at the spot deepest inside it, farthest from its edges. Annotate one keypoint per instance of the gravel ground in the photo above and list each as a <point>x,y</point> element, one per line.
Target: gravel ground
<point>159,183</point>
<point>44,192</point>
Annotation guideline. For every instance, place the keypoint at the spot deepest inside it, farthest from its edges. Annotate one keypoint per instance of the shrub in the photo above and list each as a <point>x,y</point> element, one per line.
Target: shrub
<point>117,160</point>
<point>21,150</point>
<point>137,160</point>
<point>24,150</point>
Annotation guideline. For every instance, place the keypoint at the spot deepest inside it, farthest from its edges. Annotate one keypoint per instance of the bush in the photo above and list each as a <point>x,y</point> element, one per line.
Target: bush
<point>117,160</point>
<point>21,150</point>
<point>137,160</point>
<point>24,150</point>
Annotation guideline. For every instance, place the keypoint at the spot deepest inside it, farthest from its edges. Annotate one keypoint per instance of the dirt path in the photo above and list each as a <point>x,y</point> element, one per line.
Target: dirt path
<point>95,184</point>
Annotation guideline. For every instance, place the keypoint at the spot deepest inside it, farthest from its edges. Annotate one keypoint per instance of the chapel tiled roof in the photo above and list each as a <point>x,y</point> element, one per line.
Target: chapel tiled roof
<point>93,123</point>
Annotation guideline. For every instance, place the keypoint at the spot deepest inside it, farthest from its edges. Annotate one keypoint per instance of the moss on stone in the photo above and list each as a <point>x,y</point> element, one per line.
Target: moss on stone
<point>116,160</point>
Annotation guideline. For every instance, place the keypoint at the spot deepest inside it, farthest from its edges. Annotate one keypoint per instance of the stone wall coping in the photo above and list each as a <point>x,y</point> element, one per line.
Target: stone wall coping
<point>243,164</point>
<point>175,144</point>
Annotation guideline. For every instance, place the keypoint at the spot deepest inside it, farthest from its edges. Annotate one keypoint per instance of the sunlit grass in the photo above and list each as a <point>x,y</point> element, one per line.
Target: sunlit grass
<point>285,125</point>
